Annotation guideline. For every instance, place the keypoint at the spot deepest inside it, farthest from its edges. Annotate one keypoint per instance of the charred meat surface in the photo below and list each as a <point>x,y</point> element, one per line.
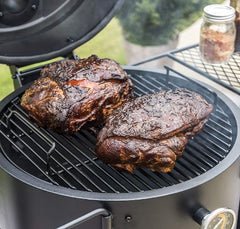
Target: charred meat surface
<point>73,93</point>
<point>151,131</point>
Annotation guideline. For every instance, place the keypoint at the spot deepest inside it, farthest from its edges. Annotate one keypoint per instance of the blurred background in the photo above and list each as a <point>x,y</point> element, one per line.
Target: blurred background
<point>141,29</point>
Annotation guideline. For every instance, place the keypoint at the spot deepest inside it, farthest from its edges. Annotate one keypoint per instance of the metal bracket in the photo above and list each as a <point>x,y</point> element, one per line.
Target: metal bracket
<point>106,219</point>
<point>16,75</point>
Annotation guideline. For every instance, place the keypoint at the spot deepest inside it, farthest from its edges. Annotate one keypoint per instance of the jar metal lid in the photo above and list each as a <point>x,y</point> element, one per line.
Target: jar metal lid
<point>217,12</point>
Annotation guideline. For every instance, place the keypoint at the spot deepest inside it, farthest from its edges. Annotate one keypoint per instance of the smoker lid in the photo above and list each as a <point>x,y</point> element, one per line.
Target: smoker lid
<point>36,30</point>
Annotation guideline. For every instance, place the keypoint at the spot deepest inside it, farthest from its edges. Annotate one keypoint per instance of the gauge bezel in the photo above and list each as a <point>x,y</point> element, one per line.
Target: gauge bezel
<point>208,218</point>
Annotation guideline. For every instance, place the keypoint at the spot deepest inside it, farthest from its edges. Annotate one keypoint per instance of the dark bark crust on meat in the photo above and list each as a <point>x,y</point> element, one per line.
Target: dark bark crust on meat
<point>72,93</point>
<point>151,131</point>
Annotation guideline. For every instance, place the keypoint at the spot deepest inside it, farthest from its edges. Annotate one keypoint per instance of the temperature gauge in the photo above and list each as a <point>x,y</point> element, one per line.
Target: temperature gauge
<point>221,218</point>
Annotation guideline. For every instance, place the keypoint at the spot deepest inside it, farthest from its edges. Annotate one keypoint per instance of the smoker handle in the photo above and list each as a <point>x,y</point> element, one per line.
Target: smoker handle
<point>106,219</point>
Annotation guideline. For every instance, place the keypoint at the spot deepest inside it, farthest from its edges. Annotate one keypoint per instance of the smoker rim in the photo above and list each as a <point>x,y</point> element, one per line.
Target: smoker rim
<point>150,194</point>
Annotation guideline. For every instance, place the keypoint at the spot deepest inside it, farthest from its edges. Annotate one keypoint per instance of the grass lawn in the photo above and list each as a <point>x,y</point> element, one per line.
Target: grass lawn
<point>107,43</point>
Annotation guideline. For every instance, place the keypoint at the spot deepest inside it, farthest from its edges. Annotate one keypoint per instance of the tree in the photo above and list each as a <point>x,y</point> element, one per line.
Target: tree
<point>155,22</point>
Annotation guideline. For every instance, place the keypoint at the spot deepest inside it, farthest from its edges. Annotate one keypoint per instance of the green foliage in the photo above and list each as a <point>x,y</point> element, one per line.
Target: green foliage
<point>154,22</point>
<point>106,44</point>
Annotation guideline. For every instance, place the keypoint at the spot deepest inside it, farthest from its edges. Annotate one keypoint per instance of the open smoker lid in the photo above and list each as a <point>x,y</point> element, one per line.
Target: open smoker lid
<point>36,30</point>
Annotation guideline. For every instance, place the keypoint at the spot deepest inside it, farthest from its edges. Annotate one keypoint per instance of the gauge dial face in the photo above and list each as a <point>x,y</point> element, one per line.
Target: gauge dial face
<point>220,219</point>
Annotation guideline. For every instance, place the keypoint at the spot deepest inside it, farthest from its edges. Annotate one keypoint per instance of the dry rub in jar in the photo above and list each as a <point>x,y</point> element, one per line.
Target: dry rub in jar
<point>217,34</point>
<point>236,5</point>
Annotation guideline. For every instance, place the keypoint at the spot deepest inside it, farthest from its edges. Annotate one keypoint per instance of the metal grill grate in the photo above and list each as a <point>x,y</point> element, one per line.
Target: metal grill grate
<point>227,74</point>
<point>73,162</point>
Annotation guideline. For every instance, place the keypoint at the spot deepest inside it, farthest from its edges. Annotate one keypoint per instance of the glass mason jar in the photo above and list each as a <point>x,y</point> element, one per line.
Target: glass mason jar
<point>217,34</point>
<point>236,5</point>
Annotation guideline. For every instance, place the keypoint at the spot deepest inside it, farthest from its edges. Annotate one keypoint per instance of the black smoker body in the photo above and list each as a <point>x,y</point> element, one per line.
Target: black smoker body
<point>206,177</point>
<point>36,194</point>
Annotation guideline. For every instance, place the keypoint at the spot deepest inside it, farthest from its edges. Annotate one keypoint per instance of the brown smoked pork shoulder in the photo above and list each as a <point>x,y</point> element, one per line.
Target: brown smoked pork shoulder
<point>152,131</point>
<point>71,94</point>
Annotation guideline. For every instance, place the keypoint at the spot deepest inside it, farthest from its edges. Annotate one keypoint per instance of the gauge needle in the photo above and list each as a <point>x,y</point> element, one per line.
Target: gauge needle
<point>219,225</point>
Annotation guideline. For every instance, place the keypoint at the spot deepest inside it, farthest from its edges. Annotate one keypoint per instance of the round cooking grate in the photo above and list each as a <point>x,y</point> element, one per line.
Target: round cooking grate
<point>73,163</point>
